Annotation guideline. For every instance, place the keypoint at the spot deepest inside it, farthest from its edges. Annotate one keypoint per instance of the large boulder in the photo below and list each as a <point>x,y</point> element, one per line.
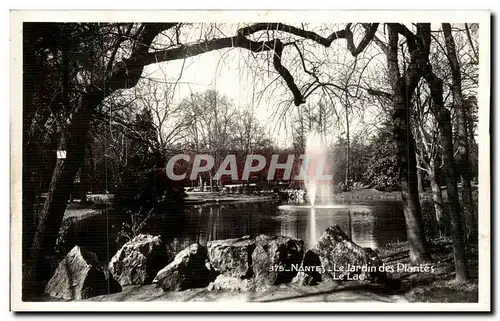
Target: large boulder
<point>138,261</point>
<point>275,259</point>
<point>189,269</point>
<point>342,259</point>
<point>80,276</point>
<point>232,257</point>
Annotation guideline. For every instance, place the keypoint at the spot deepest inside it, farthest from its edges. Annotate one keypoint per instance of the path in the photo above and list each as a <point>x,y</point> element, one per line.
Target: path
<point>284,293</point>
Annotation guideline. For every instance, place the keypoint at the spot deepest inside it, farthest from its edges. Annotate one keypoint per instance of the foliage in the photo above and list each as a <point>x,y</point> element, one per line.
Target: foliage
<point>138,221</point>
<point>143,184</point>
<point>382,171</point>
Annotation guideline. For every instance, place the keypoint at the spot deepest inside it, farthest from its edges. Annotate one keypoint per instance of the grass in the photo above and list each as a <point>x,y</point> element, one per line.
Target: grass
<point>368,193</point>
<point>445,292</point>
<point>440,285</point>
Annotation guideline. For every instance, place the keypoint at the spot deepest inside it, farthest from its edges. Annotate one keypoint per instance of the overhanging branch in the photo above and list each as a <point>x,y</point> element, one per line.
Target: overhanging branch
<point>131,69</point>
<point>245,31</point>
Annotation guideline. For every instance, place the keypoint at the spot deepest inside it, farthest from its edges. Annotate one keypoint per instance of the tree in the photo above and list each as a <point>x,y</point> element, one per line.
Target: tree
<point>249,136</point>
<point>429,150</point>
<point>462,129</point>
<point>213,119</point>
<point>102,59</point>
<point>419,46</point>
<point>93,87</point>
<point>403,87</point>
<point>444,120</point>
<point>382,169</point>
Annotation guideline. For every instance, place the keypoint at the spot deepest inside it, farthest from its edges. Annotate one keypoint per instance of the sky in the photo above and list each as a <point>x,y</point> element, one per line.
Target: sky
<point>228,72</point>
<point>221,70</point>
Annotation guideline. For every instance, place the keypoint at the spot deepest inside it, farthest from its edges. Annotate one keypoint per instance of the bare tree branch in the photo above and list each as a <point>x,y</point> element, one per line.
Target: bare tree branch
<point>370,33</point>
<point>240,40</point>
<point>293,30</point>
<point>380,93</point>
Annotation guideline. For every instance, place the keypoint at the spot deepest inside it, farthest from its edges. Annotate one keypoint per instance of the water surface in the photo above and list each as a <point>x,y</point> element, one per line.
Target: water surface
<point>370,224</point>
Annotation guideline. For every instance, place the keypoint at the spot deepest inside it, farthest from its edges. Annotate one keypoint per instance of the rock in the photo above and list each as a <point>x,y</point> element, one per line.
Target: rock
<point>232,257</point>
<point>138,261</point>
<point>336,251</point>
<point>80,276</point>
<point>304,279</point>
<point>229,283</point>
<point>273,258</point>
<point>187,270</point>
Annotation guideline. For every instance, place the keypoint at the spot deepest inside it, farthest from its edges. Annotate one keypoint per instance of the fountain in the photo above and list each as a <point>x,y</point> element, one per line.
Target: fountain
<point>319,189</point>
<point>317,153</point>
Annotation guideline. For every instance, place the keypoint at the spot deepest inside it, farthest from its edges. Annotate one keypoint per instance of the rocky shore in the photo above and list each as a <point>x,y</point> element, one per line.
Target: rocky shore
<point>244,265</point>
<point>261,268</point>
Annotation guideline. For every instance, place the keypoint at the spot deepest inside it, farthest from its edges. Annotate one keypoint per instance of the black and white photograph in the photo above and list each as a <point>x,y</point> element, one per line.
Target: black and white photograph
<point>246,161</point>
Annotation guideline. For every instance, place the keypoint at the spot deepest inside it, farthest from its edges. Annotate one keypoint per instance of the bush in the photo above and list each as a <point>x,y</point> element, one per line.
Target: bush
<point>383,170</point>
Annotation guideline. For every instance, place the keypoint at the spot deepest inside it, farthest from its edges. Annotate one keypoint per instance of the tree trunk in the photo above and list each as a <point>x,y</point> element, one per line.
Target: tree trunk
<point>420,182</point>
<point>456,218</point>
<point>403,87</point>
<point>408,175</point>
<point>446,134</point>
<point>463,167</point>
<point>437,198</point>
<point>61,186</point>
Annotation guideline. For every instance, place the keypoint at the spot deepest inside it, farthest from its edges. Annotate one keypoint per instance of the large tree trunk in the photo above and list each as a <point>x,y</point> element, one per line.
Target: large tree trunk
<point>437,198</point>
<point>446,134</point>
<point>463,167</point>
<point>408,174</point>
<point>61,186</point>
<point>403,89</point>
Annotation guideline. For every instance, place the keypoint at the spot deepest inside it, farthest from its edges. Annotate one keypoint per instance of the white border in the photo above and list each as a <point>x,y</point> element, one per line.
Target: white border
<point>16,19</point>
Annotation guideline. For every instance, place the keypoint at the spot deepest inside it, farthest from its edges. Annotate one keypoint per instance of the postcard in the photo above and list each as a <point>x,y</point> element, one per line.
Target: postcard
<point>250,160</point>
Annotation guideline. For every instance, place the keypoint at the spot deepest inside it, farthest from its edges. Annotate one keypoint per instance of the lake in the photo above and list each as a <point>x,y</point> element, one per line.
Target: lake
<point>370,224</point>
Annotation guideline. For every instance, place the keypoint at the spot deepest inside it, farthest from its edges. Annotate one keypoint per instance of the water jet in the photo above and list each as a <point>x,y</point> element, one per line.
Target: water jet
<point>319,188</point>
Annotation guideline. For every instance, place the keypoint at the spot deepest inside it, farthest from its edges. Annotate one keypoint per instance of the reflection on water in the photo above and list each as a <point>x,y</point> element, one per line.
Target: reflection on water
<point>371,224</point>
<point>312,228</point>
